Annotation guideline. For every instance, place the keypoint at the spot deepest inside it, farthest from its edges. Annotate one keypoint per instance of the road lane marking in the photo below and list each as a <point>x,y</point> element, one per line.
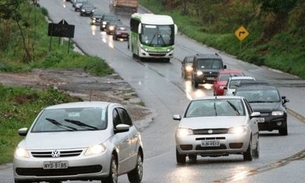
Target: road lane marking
<point>296,115</point>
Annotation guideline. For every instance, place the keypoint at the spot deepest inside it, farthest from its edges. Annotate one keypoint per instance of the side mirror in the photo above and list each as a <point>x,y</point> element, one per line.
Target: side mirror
<point>121,128</point>
<point>225,66</point>
<point>177,117</point>
<point>140,28</point>
<point>255,114</point>
<point>23,131</point>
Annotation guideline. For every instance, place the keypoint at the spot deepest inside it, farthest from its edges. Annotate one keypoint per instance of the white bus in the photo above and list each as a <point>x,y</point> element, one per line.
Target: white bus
<point>152,36</point>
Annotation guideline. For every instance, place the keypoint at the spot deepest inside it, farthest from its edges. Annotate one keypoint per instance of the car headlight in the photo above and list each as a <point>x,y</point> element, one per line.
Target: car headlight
<point>182,132</point>
<point>21,152</point>
<point>111,28</point>
<point>238,130</point>
<point>104,22</point>
<point>277,113</point>
<point>188,68</point>
<point>97,149</point>
<point>83,10</point>
<point>199,73</point>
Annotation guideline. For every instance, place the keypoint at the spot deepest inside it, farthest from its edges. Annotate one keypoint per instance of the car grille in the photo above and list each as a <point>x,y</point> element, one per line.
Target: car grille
<point>59,172</point>
<point>222,146</point>
<point>48,154</point>
<point>157,54</point>
<point>210,131</point>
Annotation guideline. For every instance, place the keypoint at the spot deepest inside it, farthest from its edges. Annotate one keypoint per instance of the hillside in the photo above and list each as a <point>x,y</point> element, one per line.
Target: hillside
<point>276,28</point>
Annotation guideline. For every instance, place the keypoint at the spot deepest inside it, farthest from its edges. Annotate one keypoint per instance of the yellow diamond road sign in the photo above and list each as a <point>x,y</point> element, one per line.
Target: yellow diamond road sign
<point>241,33</point>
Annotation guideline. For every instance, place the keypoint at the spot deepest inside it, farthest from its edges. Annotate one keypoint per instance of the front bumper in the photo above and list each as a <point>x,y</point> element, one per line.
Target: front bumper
<point>229,144</point>
<point>156,54</point>
<point>79,168</point>
<point>272,122</point>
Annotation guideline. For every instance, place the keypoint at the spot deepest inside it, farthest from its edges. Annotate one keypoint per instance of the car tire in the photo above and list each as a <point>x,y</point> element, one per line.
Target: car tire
<point>195,84</point>
<point>22,181</point>
<point>136,175</point>
<point>180,158</point>
<point>283,131</point>
<point>248,156</point>
<point>113,174</point>
<point>193,157</point>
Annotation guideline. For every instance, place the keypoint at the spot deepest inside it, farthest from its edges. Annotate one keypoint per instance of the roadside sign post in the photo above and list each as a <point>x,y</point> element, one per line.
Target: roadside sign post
<point>241,33</point>
<point>62,29</point>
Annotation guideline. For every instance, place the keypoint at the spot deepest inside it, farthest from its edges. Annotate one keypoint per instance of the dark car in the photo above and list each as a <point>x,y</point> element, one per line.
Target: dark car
<point>267,100</point>
<point>96,17</point>
<point>187,66</point>
<point>87,9</point>
<point>107,18</point>
<point>121,31</point>
<point>206,68</point>
<point>110,26</point>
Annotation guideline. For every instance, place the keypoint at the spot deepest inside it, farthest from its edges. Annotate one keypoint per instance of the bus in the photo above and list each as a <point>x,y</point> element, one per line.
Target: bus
<point>152,36</point>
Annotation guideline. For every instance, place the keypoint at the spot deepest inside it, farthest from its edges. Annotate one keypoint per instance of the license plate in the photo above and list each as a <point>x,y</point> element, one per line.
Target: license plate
<point>210,143</point>
<point>260,120</point>
<point>210,78</point>
<point>55,165</point>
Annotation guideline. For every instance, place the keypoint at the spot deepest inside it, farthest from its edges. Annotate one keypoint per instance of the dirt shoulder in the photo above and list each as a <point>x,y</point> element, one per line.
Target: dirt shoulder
<point>78,83</point>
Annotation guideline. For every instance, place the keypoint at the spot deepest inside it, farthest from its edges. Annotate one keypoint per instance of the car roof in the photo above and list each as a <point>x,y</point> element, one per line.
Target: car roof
<point>230,71</point>
<point>203,56</point>
<point>257,87</point>
<point>218,97</point>
<point>84,104</point>
<point>241,77</point>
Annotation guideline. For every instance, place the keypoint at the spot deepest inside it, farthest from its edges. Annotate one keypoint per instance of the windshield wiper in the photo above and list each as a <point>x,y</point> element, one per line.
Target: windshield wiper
<point>215,109</point>
<point>152,39</point>
<point>79,123</point>
<point>234,107</point>
<point>53,121</point>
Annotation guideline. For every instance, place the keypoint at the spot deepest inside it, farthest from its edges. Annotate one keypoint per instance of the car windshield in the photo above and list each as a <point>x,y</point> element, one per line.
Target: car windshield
<point>215,107</point>
<point>76,119</point>
<point>158,35</point>
<point>88,6</point>
<point>259,95</point>
<point>209,64</point>
<point>189,59</point>
<point>110,18</point>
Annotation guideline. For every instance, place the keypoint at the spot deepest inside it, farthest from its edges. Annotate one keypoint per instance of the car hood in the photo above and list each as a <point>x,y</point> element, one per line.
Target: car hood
<point>266,107</point>
<point>213,122</point>
<point>64,140</point>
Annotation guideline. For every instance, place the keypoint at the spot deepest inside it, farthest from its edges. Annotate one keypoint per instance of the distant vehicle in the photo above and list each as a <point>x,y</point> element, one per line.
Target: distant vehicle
<point>110,26</point>
<point>80,141</point>
<point>217,126</point>
<point>78,3</point>
<point>222,78</point>
<point>123,6</point>
<point>152,36</point>
<point>234,82</point>
<point>252,82</point>
<point>206,68</point>
<point>96,17</point>
<point>87,9</point>
<point>121,31</point>
<point>107,18</point>
<point>187,66</point>
<point>267,100</point>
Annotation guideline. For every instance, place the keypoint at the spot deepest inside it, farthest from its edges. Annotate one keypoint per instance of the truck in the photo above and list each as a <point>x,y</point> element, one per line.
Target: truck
<point>124,6</point>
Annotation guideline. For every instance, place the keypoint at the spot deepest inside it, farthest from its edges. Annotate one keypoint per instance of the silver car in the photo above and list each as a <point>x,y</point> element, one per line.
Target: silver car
<point>233,83</point>
<point>80,141</point>
<point>217,126</point>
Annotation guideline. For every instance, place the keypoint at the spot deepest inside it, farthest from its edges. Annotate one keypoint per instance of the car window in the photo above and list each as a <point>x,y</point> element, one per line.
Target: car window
<point>78,119</point>
<point>217,107</point>
<point>116,118</point>
<point>259,95</point>
<point>234,83</point>
<point>124,116</point>
<point>209,64</point>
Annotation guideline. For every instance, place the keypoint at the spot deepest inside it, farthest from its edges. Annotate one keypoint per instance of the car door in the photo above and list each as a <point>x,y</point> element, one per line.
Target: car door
<point>121,141</point>
<point>133,140</point>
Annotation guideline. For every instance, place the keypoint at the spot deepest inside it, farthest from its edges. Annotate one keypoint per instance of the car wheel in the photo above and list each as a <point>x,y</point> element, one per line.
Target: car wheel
<point>195,84</point>
<point>283,131</point>
<point>113,174</point>
<point>22,181</point>
<point>193,157</point>
<point>135,176</point>
<point>180,158</point>
<point>256,150</point>
<point>248,154</point>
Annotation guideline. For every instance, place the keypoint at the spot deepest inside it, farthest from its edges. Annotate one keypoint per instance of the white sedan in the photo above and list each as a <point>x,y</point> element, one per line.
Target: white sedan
<point>217,126</point>
<point>80,141</point>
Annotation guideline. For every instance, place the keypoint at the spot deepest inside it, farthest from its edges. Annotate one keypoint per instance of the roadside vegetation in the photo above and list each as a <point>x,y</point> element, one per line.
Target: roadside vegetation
<point>25,45</point>
<point>276,28</point>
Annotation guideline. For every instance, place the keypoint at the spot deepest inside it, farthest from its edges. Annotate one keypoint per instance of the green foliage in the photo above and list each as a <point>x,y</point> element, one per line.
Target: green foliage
<point>19,107</point>
<point>276,6</point>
